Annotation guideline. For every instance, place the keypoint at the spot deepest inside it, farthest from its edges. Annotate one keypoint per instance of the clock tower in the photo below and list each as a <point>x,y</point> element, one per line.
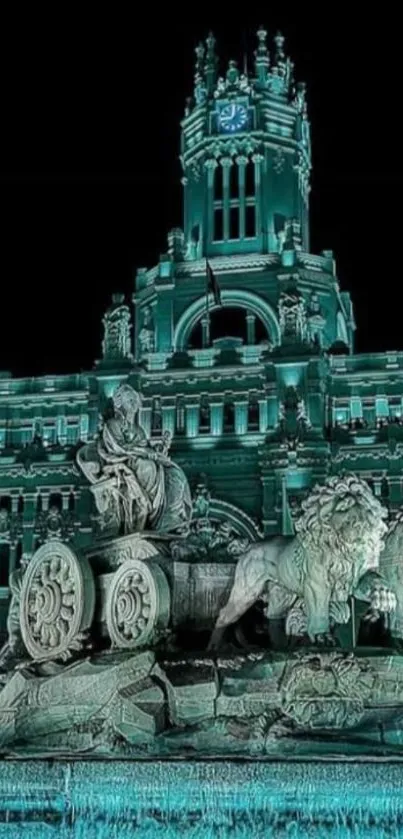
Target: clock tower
<point>245,152</point>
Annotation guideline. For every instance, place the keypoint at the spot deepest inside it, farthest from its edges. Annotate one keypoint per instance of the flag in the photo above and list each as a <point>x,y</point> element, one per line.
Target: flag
<point>212,284</point>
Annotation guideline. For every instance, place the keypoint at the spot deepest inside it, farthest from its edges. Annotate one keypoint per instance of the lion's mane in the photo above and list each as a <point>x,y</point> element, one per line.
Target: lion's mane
<point>391,559</point>
<point>342,525</point>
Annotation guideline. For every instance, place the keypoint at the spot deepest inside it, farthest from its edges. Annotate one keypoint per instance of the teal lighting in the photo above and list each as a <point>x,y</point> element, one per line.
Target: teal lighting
<point>193,800</point>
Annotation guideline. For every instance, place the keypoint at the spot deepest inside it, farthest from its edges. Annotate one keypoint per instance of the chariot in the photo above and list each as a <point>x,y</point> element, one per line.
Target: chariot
<point>129,591</point>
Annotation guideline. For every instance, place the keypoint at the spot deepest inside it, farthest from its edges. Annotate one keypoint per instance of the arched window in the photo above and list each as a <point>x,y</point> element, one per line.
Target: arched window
<point>227,322</point>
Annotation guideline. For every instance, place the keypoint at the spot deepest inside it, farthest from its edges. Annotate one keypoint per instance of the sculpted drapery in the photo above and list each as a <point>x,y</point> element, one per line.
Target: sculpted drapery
<point>136,485</point>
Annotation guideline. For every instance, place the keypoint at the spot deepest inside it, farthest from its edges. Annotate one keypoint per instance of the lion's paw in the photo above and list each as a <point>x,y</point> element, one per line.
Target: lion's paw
<point>325,639</point>
<point>383,600</point>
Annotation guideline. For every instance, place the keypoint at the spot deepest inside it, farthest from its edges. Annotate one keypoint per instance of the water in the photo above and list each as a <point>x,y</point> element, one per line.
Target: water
<point>200,800</point>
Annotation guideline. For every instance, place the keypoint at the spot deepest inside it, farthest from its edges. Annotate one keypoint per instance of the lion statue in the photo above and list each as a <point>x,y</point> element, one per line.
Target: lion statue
<point>335,554</point>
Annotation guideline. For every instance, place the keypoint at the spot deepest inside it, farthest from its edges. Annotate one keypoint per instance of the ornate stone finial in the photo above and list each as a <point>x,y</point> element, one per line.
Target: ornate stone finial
<point>176,244</point>
<point>292,315</point>
<point>199,79</point>
<point>232,75</point>
<point>200,53</point>
<point>116,345</point>
<point>292,235</point>
<point>262,58</point>
<point>146,339</point>
<point>211,63</point>
<point>279,41</point>
<point>262,38</point>
<point>210,44</point>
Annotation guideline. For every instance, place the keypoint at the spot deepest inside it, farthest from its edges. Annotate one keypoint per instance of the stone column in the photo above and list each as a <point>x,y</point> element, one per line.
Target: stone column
<point>242,162</point>
<point>192,419</point>
<point>28,522</point>
<point>263,416</point>
<point>168,418</point>
<point>61,429</point>
<point>241,417</point>
<point>210,165</point>
<point>205,323</point>
<point>226,163</point>
<point>258,160</point>
<point>65,500</point>
<point>216,418</point>
<point>251,328</point>
<point>84,427</point>
<point>15,524</point>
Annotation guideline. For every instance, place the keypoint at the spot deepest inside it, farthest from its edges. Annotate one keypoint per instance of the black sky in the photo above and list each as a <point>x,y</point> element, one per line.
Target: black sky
<point>90,177</point>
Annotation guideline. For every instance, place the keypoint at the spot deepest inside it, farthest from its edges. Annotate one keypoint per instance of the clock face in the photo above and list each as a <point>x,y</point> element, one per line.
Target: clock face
<point>233,117</point>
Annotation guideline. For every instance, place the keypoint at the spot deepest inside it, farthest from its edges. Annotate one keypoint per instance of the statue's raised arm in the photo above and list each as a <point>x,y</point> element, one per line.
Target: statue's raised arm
<point>135,484</point>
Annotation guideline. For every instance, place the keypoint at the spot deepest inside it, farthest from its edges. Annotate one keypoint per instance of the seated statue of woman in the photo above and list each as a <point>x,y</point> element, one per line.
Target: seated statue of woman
<point>135,483</point>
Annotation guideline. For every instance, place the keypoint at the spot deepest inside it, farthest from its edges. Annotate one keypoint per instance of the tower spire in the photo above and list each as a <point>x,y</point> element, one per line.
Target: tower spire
<point>199,80</point>
<point>262,58</point>
<point>211,63</point>
<point>279,41</point>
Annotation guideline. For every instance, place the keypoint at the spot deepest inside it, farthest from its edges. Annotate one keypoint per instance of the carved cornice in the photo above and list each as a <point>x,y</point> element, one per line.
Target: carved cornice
<point>381,452</point>
<point>234,264</point>
<point>204,458</point>
<point>40,470</point>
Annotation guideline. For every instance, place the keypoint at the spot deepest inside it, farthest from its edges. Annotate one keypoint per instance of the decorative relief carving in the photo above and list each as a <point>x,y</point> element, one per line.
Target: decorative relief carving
<point>279,161</point>
<point>138,604</point>
<point>54,524</point>
<point>327,692</point>
<point>10,526</point>
<point>293,420</point>
<point>292,316</point>
<point>210,537</point>
<point>147,332</point>
<point>117,328</point>
<point>57,602</point>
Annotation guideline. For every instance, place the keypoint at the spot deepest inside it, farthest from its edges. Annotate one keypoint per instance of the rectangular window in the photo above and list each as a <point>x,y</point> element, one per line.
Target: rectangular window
<point>250,221</point>
<point>49,435</point>
<point>382,407</point>
<point>218,225</point>
<point>218,184</point>
<point>341,416</point>
<point>26,435</point>
<point>234,181</point>
<point>234,223</point>
<point>250,179</point>
<point>72,434</point>
<point>356,408</point>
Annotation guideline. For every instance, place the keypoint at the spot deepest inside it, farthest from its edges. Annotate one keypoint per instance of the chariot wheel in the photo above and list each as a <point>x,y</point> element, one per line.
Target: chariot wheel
<point>57,601</point>
<point>138,604</point>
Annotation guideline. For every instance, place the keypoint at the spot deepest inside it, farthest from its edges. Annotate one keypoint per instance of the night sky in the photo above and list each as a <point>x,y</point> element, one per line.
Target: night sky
<point>90,176</point>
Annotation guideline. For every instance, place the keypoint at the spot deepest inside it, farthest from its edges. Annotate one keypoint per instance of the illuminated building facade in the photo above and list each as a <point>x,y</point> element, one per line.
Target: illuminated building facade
<point>257,379</point>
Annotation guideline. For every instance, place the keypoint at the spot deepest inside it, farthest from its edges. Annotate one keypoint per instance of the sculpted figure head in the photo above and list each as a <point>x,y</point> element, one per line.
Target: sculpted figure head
<point>342,525</point>
<point>126,402</point>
